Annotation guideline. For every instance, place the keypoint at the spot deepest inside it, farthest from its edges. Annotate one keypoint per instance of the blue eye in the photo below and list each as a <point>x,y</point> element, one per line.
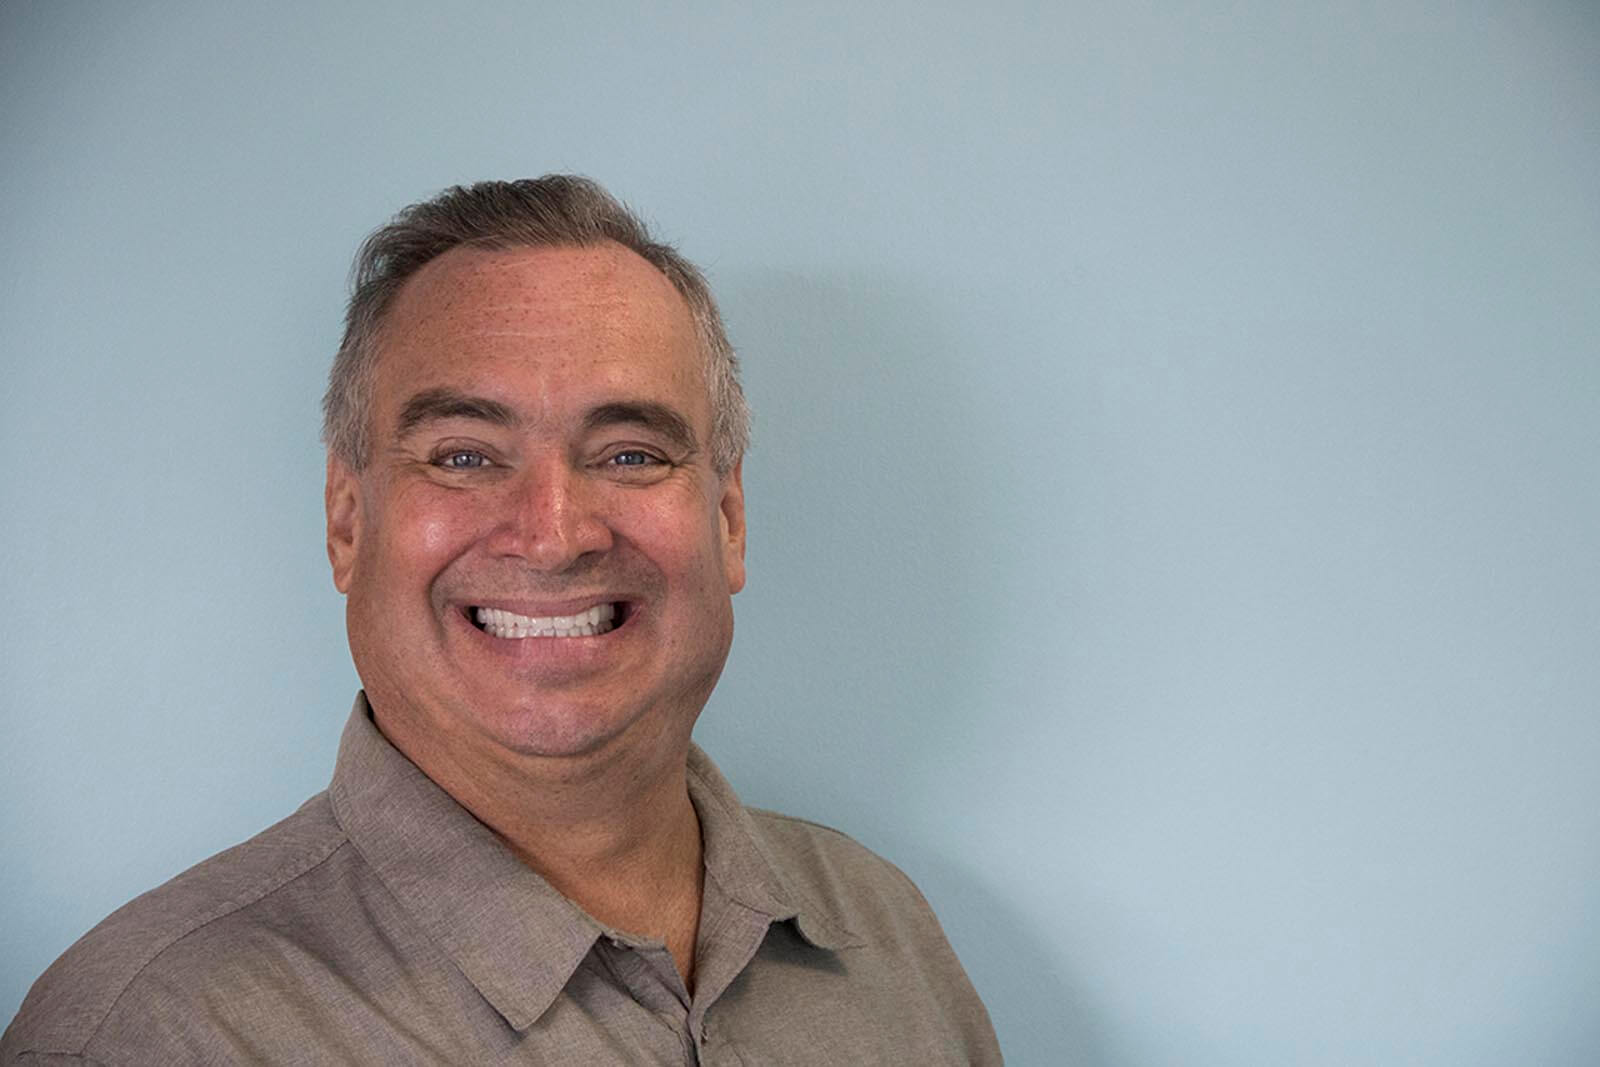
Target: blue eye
<point>463,460</point>
<point>632,458</point>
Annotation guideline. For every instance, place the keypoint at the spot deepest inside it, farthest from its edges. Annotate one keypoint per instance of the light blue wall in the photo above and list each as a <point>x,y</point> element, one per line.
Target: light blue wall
<point>1174,509</point>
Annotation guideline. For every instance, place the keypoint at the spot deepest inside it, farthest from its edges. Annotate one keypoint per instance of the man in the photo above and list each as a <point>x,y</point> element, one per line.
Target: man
<point>536,512</point>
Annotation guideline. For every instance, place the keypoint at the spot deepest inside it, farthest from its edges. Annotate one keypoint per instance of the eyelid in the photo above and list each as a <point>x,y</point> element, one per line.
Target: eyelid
<point>652,454</point>
<point>653,459</point>
<point>440,457</point>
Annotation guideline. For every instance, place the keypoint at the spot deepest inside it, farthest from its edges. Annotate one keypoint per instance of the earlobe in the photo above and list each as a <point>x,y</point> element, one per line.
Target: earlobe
<point>733,528</point>
<point>342,501</point>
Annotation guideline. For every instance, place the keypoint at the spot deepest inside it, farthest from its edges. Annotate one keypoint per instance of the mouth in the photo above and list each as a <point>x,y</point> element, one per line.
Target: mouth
<point>498,622</point>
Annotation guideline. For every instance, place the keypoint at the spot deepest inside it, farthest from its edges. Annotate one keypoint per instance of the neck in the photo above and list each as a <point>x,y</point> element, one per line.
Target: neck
<point>613,830</point>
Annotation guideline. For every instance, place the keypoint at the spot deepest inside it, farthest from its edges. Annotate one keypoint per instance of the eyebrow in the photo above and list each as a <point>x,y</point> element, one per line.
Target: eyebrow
<point>657,418</point>
<point>434,404</point>
<point>443,403</point>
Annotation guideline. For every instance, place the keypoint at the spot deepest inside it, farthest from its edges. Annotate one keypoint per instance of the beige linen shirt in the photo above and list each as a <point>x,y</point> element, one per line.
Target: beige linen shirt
<point>381,923</point>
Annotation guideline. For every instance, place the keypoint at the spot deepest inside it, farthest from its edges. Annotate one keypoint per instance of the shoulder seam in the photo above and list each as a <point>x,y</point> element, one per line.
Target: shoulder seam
<point>892,866</point>
<point>232,908</point>
<point>767,813</point>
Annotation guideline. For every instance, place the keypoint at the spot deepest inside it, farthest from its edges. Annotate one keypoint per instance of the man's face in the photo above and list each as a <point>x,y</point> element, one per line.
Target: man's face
<point>539,555</point>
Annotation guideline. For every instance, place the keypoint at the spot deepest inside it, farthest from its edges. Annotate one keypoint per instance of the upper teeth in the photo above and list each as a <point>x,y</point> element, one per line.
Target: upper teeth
<point>500,623</point>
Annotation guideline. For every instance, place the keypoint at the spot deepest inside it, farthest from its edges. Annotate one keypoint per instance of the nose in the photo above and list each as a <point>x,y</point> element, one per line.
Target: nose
<point>548,518</point>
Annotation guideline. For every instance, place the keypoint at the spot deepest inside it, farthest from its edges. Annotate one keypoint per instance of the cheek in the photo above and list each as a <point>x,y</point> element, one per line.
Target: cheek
<point>690,550</point>
<point>418,534</point>
<point>435,536</point>
<point>675,533</point>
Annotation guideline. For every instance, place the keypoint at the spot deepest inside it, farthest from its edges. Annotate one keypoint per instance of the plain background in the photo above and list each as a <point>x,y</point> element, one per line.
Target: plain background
<point>1173,508</point>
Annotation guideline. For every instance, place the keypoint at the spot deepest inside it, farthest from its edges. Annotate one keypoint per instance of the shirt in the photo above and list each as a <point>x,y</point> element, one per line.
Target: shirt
<point>382,923</point>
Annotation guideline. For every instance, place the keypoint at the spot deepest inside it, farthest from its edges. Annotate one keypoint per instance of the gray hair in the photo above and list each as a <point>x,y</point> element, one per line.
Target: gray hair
<point>557,210</point>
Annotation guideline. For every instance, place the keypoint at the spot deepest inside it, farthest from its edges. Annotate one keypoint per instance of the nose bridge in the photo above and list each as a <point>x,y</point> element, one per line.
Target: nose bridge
<point>550,518</point>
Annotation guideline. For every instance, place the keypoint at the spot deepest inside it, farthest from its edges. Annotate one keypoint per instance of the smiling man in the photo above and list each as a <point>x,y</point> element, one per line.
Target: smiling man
<point>536,512</point>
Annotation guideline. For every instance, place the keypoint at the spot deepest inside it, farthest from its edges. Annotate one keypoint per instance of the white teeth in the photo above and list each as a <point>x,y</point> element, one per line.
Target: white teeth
<point>500,623</point>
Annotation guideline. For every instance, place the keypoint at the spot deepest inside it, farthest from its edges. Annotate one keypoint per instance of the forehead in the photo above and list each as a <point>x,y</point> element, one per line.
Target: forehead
<point>496,320</point>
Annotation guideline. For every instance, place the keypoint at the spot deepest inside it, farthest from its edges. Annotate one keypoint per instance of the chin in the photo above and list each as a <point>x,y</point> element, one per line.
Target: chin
<point>556,728</point>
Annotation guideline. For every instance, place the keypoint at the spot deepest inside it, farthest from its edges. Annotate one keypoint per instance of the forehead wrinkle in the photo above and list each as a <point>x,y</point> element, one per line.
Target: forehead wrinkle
<point>576,325</point>
<point>558,308</point>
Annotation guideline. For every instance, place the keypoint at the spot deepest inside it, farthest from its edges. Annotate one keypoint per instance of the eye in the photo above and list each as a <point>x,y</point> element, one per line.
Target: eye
<point>461,459</point>
<point>634,465</point>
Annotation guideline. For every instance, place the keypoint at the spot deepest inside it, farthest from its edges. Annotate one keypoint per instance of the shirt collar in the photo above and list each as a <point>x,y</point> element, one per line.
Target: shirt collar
<point>513,936</point>
<point>510,933</point>
<point>743,863</point>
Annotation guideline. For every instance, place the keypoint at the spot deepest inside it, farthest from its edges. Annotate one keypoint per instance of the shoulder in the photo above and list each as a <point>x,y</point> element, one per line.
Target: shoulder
<point>111,965</point>
<point>859,890</point>
<point>900,963</point>
<point>828,860</point>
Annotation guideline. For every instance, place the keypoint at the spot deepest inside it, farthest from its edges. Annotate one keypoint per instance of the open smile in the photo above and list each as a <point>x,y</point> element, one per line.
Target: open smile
<point>498,622</point>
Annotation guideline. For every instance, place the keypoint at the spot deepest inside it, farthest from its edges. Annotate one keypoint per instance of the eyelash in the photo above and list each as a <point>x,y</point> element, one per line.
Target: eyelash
<point>444,460</point>
<point>649,459</point>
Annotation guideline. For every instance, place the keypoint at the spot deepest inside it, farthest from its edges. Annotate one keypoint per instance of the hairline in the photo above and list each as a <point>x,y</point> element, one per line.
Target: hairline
<point>372,338</point>
<point>377,280</point>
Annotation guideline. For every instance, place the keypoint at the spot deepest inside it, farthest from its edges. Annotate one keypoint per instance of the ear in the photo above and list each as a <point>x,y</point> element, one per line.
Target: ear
<point>342,500</point>
<point>731,512</point>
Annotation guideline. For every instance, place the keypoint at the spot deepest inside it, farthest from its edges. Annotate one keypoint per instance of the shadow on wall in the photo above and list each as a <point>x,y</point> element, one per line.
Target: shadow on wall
<point>850,697</point>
